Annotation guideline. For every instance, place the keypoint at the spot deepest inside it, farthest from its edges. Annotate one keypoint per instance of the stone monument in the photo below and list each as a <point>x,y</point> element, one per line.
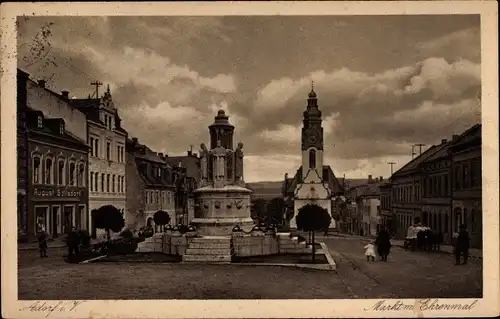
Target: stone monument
<point>222,201</point>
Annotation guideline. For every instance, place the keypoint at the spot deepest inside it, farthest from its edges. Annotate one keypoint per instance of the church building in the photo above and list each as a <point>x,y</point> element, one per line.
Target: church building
<point>314,182</point>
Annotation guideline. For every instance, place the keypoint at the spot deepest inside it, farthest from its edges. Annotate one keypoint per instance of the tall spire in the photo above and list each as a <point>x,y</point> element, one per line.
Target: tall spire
<point>312,100</point>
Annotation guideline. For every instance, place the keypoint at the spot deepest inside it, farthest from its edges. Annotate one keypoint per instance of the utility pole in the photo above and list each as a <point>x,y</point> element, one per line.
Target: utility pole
<point>392,166</point>
<point>413,151</point>
<point>419,148</point>
<point>97,84</point>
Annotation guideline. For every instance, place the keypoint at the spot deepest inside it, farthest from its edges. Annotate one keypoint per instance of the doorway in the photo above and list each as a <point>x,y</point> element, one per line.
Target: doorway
<point>68,219</point>
<point>55,219</point>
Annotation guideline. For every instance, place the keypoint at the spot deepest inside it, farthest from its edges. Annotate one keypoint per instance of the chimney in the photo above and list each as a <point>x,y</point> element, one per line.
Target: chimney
<point>65,94</point>
<point>455,136</point>
<point>134,141</point>
<point>381,178</point>
<point>190,153</point>
<point>370,179</point>
<point>41,83</point>
<point>376,179</point>
<point>444,141</point>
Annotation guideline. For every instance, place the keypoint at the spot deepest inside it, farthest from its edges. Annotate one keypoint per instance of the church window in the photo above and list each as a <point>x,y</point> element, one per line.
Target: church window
<point>312,159</point>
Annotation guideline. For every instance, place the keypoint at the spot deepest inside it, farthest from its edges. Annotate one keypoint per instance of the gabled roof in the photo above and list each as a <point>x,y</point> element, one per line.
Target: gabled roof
<point>328,177</point>
<point>468,135</point>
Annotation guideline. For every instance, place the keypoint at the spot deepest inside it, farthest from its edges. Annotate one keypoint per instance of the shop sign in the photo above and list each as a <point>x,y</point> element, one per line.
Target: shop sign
<point>58,192</point>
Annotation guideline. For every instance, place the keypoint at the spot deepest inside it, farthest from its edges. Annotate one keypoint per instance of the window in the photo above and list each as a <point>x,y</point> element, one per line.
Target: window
<point>113,184</point>
<point>457,178</point>
<point>118,153</point>
<point>312,159</point>
<point>36,170</point>
<point>49,172</point>
<point>123,184</point>
<point>466,176</point>
<point>60,172</point>
<point>61,128</point>
<point>91,146</point>
<point>102,182</point>
<point>107,183</point>
<point>118,184</point>
<point>446,223</point>
<point>40,122</point>
<point>445,185</point>
<point>91,181</point>
<point>81,175</point>
<point>96,181</point>
<point>476,172</point>
<point>72,174</point>
<point>96,150</point>
<point>108,151</point>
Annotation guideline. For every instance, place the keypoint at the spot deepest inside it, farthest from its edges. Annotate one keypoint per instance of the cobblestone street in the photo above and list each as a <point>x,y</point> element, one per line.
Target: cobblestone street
<point>405,275</point>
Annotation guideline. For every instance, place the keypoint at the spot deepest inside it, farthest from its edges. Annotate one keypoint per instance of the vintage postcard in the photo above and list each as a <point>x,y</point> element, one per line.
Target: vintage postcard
<point>254,159</point>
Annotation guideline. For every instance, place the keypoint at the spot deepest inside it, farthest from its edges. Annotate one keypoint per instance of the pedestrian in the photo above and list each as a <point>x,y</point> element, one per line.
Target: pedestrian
<point>42,237</point>
<point>73,241</point>
<point>370,251</point>
<point>383,243</point>
<point>462,245</point>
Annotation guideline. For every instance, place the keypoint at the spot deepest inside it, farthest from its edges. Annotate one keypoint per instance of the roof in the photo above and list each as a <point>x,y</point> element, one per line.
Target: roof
<point>190,162</point>
<point>468,135</point>
<point>441,152</point>
<point>46,130</point>
<point>328,176</point>
<point>266,190</point>
<point>414,163</point>
<point>91,108</point>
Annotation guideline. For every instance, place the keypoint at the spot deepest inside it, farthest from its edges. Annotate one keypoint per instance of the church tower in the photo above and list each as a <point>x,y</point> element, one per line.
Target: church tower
<point>312,141</point>
<point>221,130</point>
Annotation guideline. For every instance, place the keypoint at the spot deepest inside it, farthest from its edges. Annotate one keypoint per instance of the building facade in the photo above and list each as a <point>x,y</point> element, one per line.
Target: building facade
<point>187,170</point>
<point>314,183</point>
<point>466,183</point>
<point>151,185</point>
<point>436,191</point>
<point>385,212</point>
<point>57,174</point>
<point>22,156</point>
<point>106,138</point>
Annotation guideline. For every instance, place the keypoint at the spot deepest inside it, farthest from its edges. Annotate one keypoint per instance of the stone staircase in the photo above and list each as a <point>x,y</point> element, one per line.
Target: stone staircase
<point>150,244</point>
<point>209,249</point>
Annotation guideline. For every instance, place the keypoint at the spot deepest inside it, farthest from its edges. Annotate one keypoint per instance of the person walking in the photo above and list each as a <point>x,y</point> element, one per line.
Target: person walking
<point>42,237</point>
<point>462,245</point>
<point>370,251</point>
<point>383,243</point>
<point>73,241</point>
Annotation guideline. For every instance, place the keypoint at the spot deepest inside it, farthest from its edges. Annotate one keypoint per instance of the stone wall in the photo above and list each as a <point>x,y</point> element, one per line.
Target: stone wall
<point>255,245</point>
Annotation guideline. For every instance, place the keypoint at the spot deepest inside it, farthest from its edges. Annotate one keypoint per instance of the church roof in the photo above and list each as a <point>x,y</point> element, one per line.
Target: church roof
<point>328,177</point>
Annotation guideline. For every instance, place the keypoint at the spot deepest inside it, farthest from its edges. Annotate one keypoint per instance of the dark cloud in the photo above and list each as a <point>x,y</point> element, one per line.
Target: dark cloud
<point>384,82</point>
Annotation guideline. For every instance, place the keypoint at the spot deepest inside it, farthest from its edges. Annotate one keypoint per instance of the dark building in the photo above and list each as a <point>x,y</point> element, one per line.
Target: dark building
<point>57,177</point>
<point>407,192</point>
<point>466,182</point>
<point>436,191</point>
<point>22,155</point>
<point>151,185</point>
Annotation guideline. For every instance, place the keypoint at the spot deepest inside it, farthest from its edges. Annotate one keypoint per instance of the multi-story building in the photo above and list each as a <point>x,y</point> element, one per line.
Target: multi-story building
<point>314,182</point>
<point>436,200</point>
<point>466,183</point>
<point>385,212</point>
<point>151,185</point>
<point>22,156</point>
<point>407,192</point>
<point>106,138</point>
<point>57,188</point>
<point>56,133</point>
<point>188,175</point>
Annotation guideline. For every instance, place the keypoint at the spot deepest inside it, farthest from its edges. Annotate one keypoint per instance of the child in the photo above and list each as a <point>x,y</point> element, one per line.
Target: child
<point>370,251</point>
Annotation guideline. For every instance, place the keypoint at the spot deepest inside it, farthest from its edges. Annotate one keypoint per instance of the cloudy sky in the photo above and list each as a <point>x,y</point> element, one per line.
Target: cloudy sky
<point>383,82</point>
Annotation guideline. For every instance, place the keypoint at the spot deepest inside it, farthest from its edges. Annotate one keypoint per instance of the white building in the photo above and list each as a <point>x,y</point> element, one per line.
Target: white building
<point>106,138</point>
<point>314,182</point>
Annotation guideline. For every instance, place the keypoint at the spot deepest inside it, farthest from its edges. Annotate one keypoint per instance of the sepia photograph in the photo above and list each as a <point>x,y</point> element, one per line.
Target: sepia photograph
<point>228,156</point>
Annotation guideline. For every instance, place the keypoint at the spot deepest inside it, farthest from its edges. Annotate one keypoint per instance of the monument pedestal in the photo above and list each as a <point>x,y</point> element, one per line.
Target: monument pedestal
<point>209,249</point>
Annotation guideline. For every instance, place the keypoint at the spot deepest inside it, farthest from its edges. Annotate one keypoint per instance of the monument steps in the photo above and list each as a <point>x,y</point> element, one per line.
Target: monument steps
<point>206,258</point>
<point>204,251</point>
<point>199,245</point>
<point>209,249</point>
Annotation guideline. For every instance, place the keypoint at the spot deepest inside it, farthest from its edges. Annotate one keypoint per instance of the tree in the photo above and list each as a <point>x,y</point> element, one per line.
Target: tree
<point>312,218</point>
<point>161,218</point>
<point>109,217</point>
<point>258,209</point>
<point>275,210</point>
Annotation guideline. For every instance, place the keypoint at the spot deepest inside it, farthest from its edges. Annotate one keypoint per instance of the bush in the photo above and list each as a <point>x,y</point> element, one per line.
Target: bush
<point>301,238</point>
<point>127,233</point>
<point>84,238</point>
<point>121,246</point>
<point>109,218</point>
<point>182,228</point>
